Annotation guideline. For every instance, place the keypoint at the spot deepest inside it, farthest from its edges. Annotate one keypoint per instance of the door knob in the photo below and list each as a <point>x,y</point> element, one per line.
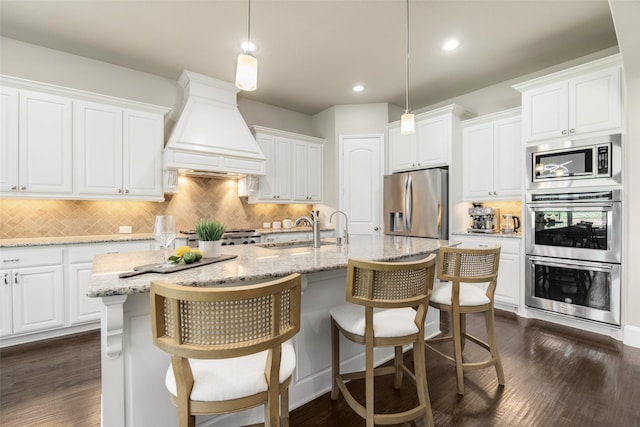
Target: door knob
<point>376,228</point>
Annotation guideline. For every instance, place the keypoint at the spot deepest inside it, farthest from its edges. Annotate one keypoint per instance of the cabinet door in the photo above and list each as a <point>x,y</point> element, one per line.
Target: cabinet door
<point>142,154</point>
<point>300,173</point>
<point>433,141</point>
<point>545,112</point>
<point>6,303</point>
<point>283,169</point>
<point>402,150</point>
<point>507,150</point>
<point>98,136</point>
<point>267,185</point>
<point>82,309</point>
<point>594,102</point>
<point>314,169</point>
<point>38,299</point>
<point>45,138</point>
<point>477,161</point>
<point>507,289</point>
<point>8,139</point>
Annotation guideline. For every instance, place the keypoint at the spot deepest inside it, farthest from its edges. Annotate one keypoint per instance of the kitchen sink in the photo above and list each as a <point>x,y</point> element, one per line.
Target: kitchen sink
<point>292,244</point>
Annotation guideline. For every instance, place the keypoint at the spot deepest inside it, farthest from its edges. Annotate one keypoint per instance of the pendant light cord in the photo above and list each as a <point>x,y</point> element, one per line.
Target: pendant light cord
<point>249,29</point>
<point>407,65</point>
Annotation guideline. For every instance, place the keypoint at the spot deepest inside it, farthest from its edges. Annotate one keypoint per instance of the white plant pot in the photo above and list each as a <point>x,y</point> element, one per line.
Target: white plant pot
<point>209,249</point>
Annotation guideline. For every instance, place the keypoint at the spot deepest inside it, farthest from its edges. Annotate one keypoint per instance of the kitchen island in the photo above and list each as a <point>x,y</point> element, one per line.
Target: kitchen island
<point>133,369</point>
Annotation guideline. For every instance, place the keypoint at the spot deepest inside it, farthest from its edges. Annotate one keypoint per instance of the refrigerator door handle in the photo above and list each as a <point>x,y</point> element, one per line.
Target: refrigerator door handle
<point>408,202</point>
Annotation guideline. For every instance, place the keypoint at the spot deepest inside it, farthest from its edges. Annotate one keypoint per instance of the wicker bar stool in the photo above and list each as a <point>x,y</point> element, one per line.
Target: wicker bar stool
<point>395,297</point>
<point>229,347</point>
<point>461,267</point>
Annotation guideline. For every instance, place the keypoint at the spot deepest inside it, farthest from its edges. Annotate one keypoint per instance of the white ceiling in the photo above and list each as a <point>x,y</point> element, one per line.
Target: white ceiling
<point>311,52</point>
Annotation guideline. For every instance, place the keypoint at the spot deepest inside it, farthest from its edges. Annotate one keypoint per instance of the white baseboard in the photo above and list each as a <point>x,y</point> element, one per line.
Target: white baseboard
<point>632,336</point>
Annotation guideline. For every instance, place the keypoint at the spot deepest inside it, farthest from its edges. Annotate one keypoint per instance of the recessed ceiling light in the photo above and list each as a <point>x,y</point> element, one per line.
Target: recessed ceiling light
<point>248,47</point>
<point>451,44</point>
<point>358,88</point>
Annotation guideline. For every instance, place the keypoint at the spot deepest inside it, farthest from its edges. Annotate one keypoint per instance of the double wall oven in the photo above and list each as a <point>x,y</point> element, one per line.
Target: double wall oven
<point>573,231</point>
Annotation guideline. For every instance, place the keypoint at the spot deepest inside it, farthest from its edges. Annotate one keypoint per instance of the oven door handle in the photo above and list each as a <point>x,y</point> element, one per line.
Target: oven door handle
<point>535,206</point>
<point>571,263</point>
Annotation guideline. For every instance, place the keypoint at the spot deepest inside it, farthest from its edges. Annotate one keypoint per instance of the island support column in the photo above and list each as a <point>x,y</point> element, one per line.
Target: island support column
<point>112,361</point>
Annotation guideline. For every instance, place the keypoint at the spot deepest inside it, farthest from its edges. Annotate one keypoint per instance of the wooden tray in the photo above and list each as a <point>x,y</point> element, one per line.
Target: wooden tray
<point>159,268</point>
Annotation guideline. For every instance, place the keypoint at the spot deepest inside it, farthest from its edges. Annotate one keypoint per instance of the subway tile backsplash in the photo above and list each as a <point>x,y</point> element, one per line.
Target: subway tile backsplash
<point>197,198</point>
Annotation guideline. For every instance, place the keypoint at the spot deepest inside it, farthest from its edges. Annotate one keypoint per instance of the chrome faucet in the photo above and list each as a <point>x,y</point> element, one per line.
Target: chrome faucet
<point>346,225</point>
<point>314,221</point>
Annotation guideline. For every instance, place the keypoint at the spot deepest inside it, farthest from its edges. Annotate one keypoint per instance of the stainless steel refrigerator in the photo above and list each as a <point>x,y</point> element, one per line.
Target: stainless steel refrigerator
<point>417,203</point>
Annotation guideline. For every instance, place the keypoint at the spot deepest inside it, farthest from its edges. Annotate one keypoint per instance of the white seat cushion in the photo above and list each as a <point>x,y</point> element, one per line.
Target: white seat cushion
<point>224,379</point>
<point>391,322</point>
<point>469,295</point>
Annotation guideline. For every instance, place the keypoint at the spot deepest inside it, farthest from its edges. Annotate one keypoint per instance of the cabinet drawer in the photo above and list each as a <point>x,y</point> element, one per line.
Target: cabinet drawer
<point>86,253</point>
<point>29,257</point>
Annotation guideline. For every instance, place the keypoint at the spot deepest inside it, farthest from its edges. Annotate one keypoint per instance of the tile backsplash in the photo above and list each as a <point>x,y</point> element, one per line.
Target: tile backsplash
<point>196,198</point>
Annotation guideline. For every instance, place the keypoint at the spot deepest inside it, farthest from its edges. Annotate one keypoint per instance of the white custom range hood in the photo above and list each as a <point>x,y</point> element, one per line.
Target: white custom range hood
<point>210,137</point>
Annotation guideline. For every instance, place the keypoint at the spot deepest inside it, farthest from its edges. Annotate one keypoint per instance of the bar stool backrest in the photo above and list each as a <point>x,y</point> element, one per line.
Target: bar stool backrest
<point>469,265</point>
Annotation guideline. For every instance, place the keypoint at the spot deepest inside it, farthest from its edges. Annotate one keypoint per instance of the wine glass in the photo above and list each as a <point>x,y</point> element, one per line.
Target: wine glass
<point>164,232</point>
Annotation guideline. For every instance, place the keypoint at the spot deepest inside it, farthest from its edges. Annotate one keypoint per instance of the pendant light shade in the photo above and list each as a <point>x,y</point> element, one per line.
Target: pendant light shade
<point>247,67</point>
<point>247,72</point>
<point>407,123</point>
<point>407,120</point>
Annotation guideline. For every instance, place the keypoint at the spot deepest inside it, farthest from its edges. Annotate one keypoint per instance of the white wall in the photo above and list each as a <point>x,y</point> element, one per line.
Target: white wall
<point>626,15</point>
<point>258,113</point>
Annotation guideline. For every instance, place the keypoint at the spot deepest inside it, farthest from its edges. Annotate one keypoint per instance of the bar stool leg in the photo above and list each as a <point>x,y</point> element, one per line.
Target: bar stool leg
<point>397,383</point>
<point>463,330</point>
<point>284,408</point>
<point>369,384</point>
<point>457,349</point>
<point>335,360</point>
<point>493,344</point>
<point>420,368</point>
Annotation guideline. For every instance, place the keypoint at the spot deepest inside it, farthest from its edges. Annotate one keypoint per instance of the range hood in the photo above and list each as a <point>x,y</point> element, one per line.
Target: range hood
<point>210,137</point>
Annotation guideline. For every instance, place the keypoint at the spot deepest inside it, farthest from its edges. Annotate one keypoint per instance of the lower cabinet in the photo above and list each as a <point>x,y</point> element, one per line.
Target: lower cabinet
<point>507,295</point>
<point>44,291</point>
<point>32,291</point>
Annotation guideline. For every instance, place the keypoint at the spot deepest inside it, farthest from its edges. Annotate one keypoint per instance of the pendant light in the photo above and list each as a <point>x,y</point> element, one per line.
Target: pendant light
<point>407,120</point>
<point>247,68</point>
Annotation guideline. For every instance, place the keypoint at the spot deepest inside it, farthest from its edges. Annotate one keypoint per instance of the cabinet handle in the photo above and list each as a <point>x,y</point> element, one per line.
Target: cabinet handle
<point>564,131</point>
<point>126,191</point>
<point>14,187</point>
<point>376,228</point>
<point>6,278</point>
<point>572,131</point>
<point>11,260</point>
<point>23,187</point>
<point>489,193</point>
<point>119,190</point>
<point>15,278</point>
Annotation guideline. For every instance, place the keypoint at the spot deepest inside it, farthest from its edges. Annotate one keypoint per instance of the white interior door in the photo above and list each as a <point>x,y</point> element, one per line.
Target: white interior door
<point>361,182</point>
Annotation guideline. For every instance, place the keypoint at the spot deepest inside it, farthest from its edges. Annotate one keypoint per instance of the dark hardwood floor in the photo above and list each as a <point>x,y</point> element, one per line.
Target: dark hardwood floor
<point>554,376</point>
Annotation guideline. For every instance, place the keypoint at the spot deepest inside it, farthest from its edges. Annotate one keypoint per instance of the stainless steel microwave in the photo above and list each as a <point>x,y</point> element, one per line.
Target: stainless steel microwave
<point>590,162</point>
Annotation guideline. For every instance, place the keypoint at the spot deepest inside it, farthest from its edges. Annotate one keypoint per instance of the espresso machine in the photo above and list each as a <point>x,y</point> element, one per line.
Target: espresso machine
<point>484,220</point>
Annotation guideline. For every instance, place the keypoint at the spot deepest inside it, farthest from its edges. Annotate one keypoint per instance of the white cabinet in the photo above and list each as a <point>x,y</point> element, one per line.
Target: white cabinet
<point>35,144</point>
<point>32,291</point>
<point>294,167</point>
<point>307,172</point>
<point>492,157</point>
<point>431,145</point>
<point>118,152</point>
<point>575,102</point>
<point>510,284</point>
<point>81,308</point>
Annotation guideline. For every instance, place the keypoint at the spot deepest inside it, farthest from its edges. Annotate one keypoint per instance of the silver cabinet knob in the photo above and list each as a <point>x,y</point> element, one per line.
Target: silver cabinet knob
<point>23,187</point>
<point>376,228</point>
<point>6,278</point>
<point>564,131</point>
<point>572,131</point>
<point>14,187</point>
<point>126,191</point>
<point>15,278</point>
<point>119,190</point>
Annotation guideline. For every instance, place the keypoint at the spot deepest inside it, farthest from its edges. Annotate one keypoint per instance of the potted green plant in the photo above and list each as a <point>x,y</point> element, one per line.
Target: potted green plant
<point>209,233</point>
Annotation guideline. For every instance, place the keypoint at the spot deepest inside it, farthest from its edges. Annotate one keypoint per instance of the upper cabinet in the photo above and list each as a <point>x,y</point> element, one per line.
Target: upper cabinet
<point>431,144</point>
<point>36,144</point>
<point>293,170</point>
<point>68,144</point>
<point>492,156</point>
<point>582,100</point>
<point>119,152</point>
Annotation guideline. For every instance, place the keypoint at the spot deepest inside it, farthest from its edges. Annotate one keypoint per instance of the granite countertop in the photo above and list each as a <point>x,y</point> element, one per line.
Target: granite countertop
<point>70,240</point>
<point>489,235</point>
<point>253,263</point>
